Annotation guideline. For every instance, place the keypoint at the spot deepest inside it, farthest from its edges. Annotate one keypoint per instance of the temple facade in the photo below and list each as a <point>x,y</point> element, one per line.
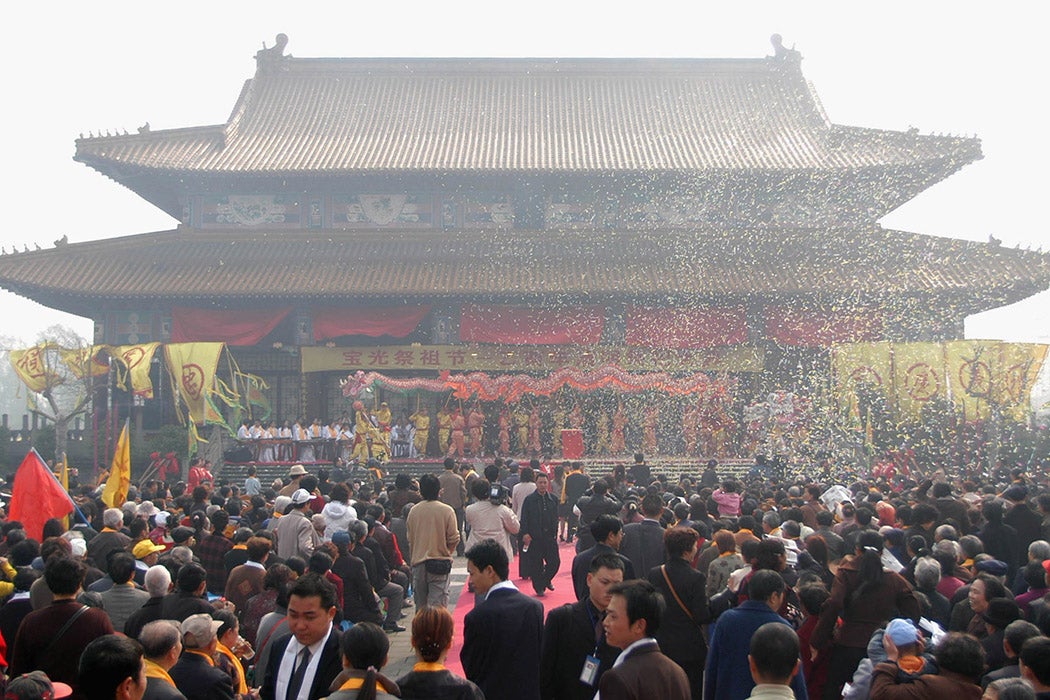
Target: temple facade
<point>415,217</point>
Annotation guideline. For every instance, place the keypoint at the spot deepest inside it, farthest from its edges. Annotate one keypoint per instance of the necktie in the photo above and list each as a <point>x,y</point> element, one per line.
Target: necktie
<point>298,672</point>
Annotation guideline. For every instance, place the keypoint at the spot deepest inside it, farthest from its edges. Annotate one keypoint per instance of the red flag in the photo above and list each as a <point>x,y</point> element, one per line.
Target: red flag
<point>37,496</point>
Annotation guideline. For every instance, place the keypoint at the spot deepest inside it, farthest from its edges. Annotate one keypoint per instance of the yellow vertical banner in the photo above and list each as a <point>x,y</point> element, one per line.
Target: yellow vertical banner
<point>192,367</point>
<point>918,377</point>
<point>1014,375</point>
<point>970,365</point>
<point>860,364</point>
<point>116,491</point>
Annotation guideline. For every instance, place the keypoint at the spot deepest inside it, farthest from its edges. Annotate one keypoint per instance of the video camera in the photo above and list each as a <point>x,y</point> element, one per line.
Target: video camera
<point>498,495</point>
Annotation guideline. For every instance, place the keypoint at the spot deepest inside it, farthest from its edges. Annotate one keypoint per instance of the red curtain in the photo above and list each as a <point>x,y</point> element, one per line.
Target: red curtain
<point>803,327</point>
<point>517,325</point>
<point>233,327</point>
<point>373,321</point>
<point>662,327</point>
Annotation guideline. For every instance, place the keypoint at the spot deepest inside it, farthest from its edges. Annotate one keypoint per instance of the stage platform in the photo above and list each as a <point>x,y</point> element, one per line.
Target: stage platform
<point>672,466</point>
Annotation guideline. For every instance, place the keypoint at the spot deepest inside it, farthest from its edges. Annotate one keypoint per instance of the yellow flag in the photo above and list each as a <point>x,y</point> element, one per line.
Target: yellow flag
<point>192,367</point>
<point>116,491</point>
<point>35,366</point>
<point>136,361</point>
<point>1014,375</point>
<point>83,362</point>
<point>918,376</point>
<point>970,364</point>
<point>860,364</point>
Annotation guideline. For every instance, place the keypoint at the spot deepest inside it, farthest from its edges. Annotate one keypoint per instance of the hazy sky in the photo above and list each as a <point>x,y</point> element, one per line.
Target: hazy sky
<point>959,67</point>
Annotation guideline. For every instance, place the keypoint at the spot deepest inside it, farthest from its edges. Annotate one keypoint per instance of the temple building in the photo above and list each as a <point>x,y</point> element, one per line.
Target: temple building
<point>422,216</point>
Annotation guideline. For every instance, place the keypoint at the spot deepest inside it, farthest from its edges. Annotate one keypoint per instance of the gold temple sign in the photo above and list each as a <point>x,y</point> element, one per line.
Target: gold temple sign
<point>490,358</point>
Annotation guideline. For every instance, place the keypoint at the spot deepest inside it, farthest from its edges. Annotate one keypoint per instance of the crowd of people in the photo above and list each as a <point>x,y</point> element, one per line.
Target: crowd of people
<point>687,586</point>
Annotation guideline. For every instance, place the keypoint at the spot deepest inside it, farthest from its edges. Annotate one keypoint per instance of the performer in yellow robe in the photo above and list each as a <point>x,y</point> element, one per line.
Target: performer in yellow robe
<point>444,421</point>
<point>421,422</point>
<point>367,437</point>
<point>601,437</point>
<point>521,422</point>
<point>559,424</point>
<point>385,418</point>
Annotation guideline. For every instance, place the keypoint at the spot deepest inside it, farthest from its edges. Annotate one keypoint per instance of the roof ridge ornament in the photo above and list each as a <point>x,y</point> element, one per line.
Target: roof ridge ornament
<point>782,53</point>
<point>266,56</point>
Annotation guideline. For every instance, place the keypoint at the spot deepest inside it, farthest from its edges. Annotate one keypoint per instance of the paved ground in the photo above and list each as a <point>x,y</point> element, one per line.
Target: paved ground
<point>402,657</point>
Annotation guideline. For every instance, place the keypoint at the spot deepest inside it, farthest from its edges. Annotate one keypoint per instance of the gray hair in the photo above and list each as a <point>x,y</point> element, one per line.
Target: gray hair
<point>358,529</point>
<point>159,637</point>
<point>1012,689</point>
<point>181,555</point>
<point>113,518</point>
<point>927,573</point>
<point>772,518</point>
<point>157,581</point>
<point>948,547</point>
<point>1039,550</point>
<point>946,532</point>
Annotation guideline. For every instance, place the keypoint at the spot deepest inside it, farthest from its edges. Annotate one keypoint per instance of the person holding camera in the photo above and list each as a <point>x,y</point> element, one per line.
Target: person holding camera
<point>489,517</point>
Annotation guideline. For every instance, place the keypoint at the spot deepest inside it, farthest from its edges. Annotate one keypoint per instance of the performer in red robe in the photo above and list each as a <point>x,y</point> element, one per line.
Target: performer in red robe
<point>459,423</point>
<point>617,444</point>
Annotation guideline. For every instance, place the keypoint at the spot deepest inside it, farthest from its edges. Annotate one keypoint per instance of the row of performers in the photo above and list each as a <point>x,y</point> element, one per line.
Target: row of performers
<point>522,429</point>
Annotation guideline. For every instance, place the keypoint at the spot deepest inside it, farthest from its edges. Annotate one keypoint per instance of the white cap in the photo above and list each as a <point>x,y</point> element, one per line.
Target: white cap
<point>302,496</point>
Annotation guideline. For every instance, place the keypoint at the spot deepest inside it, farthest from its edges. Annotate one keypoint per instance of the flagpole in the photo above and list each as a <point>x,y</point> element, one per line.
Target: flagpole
<point>55,478</point>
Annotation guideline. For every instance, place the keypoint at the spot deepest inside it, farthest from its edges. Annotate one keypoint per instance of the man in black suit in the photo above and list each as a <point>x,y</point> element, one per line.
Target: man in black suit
<point>195,675</point>
<point>591,507</point>
<point>641,671</point>
<point>574,637</point>
<point>539,535</point>
<point>303,665</point>
<point>502,634</point>
<point>607,531</point>
<point>643,543</point>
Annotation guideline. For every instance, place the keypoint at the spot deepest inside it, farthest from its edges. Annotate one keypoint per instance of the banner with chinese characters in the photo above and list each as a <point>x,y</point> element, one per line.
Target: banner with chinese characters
<point>975,375</point>
<point>136,360</point>
<point>489,358</point>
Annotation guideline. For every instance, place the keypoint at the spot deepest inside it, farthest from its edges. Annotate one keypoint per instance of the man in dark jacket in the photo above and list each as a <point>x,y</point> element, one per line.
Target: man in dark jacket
<point>188,597</point>
<point>502,635</point>
<point>1022,518</point>
<point>590,507</point>
<point>196,675</point>
<point>539,535</point>
<point>311,611</point>
<point>161,642</point>
<point>643,543</point>
<point>574,631</point>
<point>359,602</point>
<point>608,531</point>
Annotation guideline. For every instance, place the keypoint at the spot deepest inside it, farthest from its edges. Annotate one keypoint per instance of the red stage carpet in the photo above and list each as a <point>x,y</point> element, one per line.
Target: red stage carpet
<point>561,595</point>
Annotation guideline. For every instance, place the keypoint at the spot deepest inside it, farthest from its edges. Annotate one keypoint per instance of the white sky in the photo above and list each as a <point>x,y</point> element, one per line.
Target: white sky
<point>960,67</point>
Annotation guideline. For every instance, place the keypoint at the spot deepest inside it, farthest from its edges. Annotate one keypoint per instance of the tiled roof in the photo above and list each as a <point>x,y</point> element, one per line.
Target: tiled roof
<point>354,115</point>
<point>237,267</point>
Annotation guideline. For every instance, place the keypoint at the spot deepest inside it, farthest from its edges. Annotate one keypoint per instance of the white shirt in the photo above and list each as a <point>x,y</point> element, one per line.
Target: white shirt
<point>291,654</point>
<point>501,584</point>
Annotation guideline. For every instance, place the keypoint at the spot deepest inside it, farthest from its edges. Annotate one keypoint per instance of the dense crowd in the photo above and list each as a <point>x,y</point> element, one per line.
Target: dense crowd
<point>695,586</point>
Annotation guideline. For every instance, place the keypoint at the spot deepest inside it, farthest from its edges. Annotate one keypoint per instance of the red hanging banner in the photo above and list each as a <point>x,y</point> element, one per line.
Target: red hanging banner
<point>517,325</point>
<point>230,326</point>
<point>662,327</point>
<point>809,328</point>
<point>373,321</point>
